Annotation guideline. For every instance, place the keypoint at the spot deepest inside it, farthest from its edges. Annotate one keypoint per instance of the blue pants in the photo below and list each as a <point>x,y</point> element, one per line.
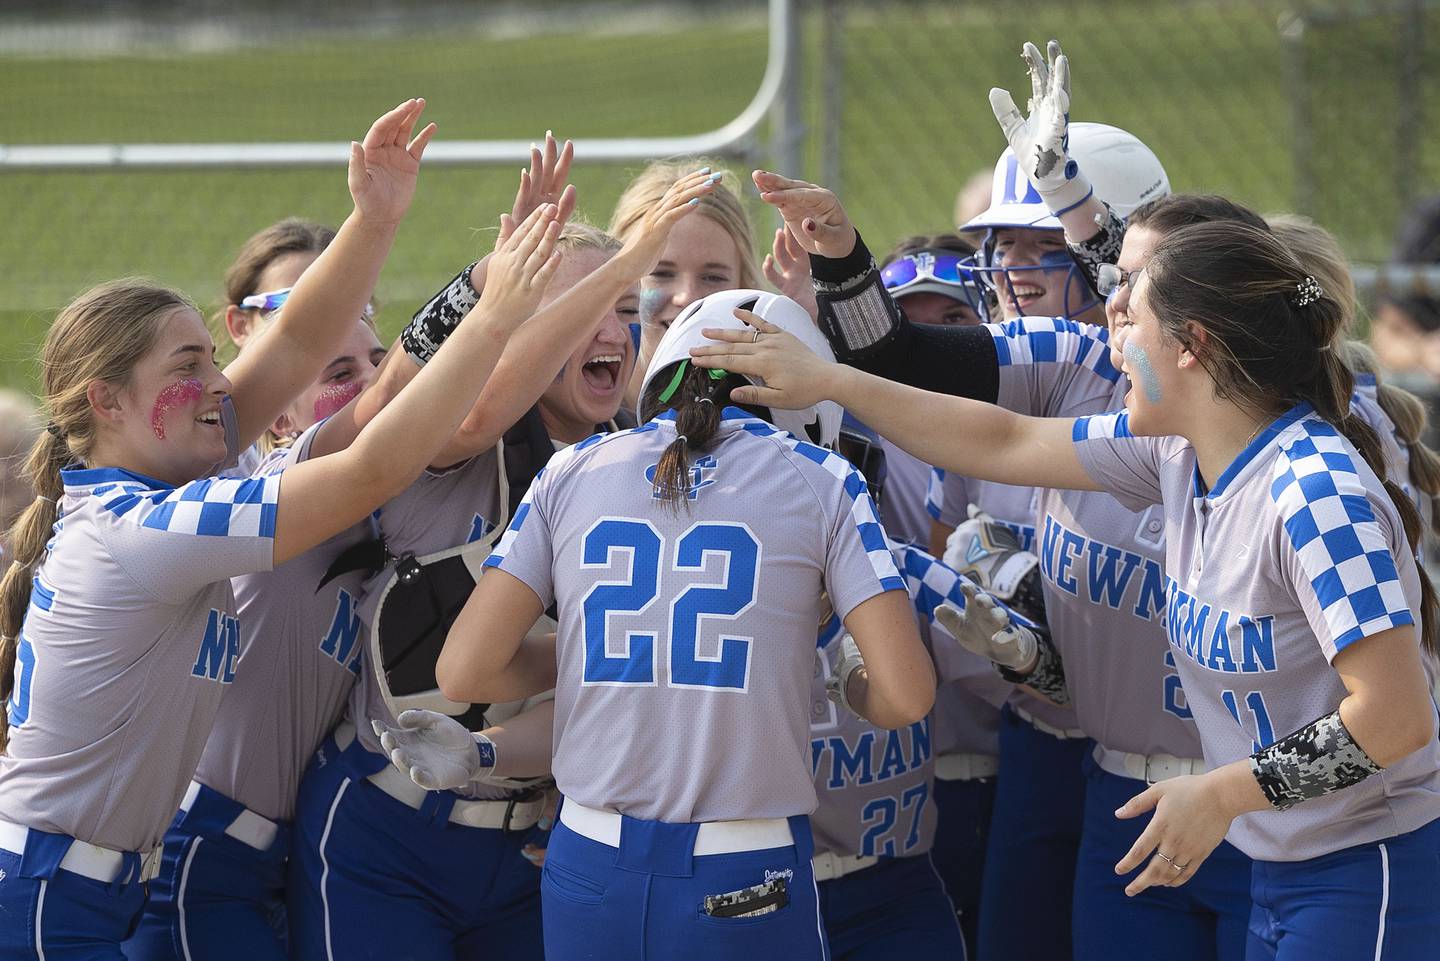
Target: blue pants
<point>1376,901</point>
<point>215,897</point>
<point>1203,920</point>
<point>644,901</point>
<point>894,909</point>
<point>963,826</point>
<point>51,913</point>
<point>371,877</point>
<point>1034,837</point>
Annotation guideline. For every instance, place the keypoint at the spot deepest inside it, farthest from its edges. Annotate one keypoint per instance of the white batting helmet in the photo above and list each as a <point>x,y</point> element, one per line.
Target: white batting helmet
<point>819,424</point>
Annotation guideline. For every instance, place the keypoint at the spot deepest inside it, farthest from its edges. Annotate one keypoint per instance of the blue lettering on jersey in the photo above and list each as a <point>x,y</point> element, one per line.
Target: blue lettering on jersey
<point>1175,702</point>
<point>1212,636</point>
<point>339,640</point>
<point>1264,734</point>
<point>854,763</point>
<point>700,478</point>
<point>479,527</point>
<point>219,650</point>
<point>880,815</point>
<point>17,709</point>
<point>1108,572</point>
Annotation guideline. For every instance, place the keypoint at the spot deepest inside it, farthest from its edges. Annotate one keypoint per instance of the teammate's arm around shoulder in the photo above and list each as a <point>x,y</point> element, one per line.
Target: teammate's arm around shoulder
<point>896,686</point>
<point>323,496</point>
<point>333,292</point>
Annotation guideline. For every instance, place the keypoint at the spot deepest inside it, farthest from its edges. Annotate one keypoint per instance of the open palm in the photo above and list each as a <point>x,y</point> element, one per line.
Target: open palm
<point>384,167</point>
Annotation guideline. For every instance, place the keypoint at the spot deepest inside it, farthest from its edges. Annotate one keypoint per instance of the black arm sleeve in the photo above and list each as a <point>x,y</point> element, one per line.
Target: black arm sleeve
<point>868,330</point>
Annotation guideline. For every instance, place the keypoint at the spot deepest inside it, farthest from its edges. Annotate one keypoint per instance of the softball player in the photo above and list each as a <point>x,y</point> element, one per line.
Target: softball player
<point>383,867</point>
<point>705,255</point>
<point>698,846</point>
<point>134,396</point>
<point>875,825</point>
<point>1294,608</point>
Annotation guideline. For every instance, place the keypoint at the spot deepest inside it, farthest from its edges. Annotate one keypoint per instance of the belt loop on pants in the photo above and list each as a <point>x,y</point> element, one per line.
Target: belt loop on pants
<point>1150,768</point>
<point>87,860</point>
<point>207,810</point>
<point>1063,733</point>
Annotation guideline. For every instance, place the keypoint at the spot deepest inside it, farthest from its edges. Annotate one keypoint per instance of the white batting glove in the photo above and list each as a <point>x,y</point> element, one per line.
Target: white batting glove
<point>1041,141</point>
<point>985,628</point>
<point>435,750</point>
<point>837,687</point>
<point>988,553</point>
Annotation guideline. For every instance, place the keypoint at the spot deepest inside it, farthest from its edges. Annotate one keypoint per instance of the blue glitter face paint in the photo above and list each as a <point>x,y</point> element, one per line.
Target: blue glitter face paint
<point>1139,363</point>
<point>650,303</point>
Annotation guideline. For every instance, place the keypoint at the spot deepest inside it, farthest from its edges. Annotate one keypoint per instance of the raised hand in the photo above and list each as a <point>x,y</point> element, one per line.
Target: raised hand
<point>792,375</point>
<point>813,214</point>
<point>519,270</point>
<point>788,270</point>
<point>383,168</point>
<point>642,251</point>
<point>985,628</point>
<point>543,183</point>
<point>1041,141</point>
<point>436,751</point>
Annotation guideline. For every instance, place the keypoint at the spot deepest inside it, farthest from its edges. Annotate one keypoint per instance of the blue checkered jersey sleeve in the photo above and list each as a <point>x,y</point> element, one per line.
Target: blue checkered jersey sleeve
<point>526,549</point>
<point>858,562</point>
<point>175,541</point>
<point>1052,367</point>
<point>1341,538</point>
<point>1126,466</point>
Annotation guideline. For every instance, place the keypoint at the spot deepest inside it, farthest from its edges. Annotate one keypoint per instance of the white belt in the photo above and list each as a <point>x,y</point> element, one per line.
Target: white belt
<point>714,837</point>
<point>247,828</point>
<point>1149,768</point>
<point>507,814</point>
<point>87,860</point>
<point>966,767</point>
<point>1064,733</point>
<point>830,866</point>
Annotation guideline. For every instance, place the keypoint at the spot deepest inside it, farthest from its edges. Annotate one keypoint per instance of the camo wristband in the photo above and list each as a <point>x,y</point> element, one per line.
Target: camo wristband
<point>1320,758</point>
<point>1047,677</point>
<point>1101,248</point>
<point>438,319</point>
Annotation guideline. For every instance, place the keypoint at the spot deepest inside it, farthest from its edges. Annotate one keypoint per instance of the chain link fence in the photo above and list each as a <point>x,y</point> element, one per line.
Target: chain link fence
<point>1308,105</point>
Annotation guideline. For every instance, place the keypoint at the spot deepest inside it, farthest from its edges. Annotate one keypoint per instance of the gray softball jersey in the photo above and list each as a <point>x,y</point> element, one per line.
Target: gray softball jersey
<point>300,655</point>
<point>128,645</point>
<point>687,637</point>
<point>1296,553</point>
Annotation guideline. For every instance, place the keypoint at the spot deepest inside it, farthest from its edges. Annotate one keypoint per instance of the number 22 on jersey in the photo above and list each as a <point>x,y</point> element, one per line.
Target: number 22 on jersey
<point>609,604</point>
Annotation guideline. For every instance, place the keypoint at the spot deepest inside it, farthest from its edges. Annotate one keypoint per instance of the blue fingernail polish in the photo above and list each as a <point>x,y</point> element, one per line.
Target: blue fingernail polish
<point>704,170</point>
<point>695,202</point>
<point>716,178</point>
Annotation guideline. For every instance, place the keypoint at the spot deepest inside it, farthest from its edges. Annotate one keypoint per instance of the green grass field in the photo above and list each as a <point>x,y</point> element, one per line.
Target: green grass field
<point>1202,83</point>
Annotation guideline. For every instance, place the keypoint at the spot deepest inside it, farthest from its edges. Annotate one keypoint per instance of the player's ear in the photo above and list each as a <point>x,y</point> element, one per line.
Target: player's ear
<point>239,324</point>
<point>1192,343</point>
<point>284,426</point>
<point>106,400</point>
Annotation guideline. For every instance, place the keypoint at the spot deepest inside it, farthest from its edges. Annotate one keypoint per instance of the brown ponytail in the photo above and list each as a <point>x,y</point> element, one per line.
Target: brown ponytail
<point>1270,341</point>
<point>100,335</point>
<point>697,400</point>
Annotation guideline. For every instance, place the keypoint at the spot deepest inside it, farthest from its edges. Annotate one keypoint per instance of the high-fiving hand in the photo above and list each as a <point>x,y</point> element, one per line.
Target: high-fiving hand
<point>811,213</point>
<point>384,167</point>
<point>1041,141</point>
<point>543,183</point>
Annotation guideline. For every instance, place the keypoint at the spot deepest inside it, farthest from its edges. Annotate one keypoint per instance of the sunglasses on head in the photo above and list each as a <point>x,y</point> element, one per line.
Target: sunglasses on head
<point>907,271</point>
<point>273,300</point>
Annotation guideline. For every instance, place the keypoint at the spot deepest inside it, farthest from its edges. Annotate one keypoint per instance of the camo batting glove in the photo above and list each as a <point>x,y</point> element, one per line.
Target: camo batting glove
<point>1041,141</point>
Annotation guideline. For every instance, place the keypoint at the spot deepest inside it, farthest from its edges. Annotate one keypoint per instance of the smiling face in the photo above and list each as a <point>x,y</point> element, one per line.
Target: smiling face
<point>1153,362</point>
<point>589,388</point>
<point>165,421</point>
<point>699,259</point>
<point>340,382</point>
<point>1040,279</point>
<point>1134,255</point>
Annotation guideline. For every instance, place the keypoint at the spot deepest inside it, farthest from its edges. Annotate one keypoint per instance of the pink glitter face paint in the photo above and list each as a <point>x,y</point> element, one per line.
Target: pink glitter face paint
<point>334,398</point>
<point>182,393</point>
